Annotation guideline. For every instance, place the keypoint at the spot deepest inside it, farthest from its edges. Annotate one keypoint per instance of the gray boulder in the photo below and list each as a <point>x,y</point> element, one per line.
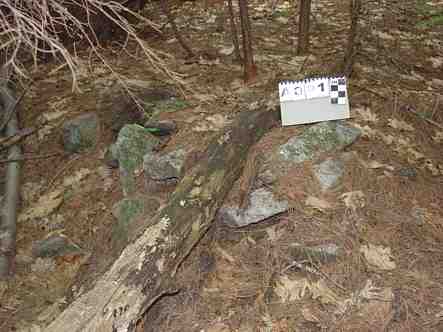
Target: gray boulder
<point>262,205</point>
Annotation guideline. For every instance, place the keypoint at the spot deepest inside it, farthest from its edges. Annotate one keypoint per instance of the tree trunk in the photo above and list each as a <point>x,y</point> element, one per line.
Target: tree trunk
<point>234,31</point>
<point>146,269</point>
<point>303,27</point>
<point>351,48</point>
<point>250,70</point>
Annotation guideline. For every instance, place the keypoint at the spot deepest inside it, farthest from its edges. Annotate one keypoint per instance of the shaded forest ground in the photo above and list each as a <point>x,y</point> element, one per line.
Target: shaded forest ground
<point>236,279</point>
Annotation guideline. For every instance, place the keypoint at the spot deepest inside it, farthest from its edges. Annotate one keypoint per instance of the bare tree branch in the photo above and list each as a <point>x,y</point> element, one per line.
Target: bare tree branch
<point>41,27</point>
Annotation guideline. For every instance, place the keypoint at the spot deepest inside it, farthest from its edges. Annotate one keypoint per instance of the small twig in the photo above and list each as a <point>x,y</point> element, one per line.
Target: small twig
<point>437,101</point>
<point>313,270</point>
<point>9,141</point>
<point>24,158</point>
<point>51,183</point>
<point>370,91</point>
<point>410,109</point>
<point>395,103</point>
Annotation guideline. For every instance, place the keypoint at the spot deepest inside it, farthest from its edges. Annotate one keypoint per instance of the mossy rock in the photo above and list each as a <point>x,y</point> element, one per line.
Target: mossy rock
<point>132,144</point>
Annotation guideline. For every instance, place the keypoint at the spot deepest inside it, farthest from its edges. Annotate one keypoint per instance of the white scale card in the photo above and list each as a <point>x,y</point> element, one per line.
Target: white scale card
<point>313,100</point>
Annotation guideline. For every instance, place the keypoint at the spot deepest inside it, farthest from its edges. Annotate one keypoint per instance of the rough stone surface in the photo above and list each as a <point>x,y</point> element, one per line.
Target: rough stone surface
<point>317,139</point>
<point>263,205</point>
<point>53,246</point>
<point>329,173</point>
<point>133,143</point>
<point>164,167</point>
<point>80,133</point>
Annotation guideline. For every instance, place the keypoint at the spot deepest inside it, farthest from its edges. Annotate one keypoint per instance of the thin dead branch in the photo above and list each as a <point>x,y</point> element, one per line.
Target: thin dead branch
<point>25,158</point>
<point>38,29</point>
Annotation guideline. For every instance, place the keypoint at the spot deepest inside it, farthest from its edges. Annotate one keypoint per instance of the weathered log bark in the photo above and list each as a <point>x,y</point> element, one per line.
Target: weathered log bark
<point>146,269</point>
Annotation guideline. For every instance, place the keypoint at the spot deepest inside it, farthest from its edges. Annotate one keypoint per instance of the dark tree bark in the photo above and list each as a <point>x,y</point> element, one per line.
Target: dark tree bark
<point>303,27</point>
<point>351,48</point>
<point>177,34</point>
<point>234,31</point>
<point>146,269</point>
<point>250,70</point>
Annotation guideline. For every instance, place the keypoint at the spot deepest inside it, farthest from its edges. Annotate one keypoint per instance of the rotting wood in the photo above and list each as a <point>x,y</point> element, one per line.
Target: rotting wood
<point>146,269</point>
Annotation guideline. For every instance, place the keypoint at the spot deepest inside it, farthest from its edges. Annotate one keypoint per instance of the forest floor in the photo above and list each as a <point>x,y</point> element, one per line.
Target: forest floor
<point>389,273</point>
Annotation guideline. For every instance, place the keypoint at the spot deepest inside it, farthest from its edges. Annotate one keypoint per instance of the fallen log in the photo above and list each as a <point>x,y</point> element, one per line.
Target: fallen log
<point>146,269</point>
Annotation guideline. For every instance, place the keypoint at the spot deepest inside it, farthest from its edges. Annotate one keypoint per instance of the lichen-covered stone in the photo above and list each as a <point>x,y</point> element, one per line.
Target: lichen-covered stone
<point>320,138</point>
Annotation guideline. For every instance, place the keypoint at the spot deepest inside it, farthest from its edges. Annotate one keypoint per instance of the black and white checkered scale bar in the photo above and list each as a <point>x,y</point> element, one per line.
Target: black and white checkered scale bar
<point>338,91</point>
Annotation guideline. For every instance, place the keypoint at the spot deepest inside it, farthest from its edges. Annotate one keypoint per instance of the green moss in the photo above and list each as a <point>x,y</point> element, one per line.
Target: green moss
<point>132,144</point>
